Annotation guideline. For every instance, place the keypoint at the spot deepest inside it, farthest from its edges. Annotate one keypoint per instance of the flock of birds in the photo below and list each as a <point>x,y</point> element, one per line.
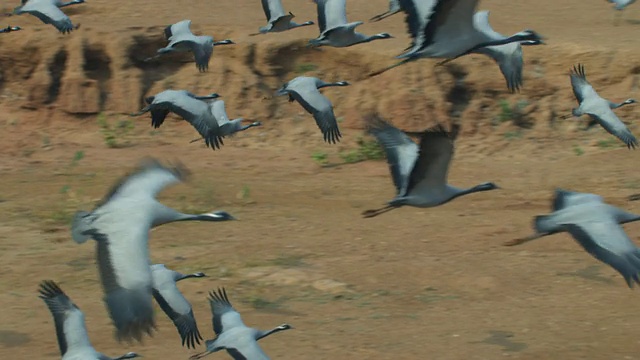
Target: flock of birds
<point>444,29</point>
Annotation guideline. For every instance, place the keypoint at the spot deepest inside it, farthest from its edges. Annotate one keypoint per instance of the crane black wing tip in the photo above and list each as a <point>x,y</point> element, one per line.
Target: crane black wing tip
<point>191,339</point>
<point>220,296</point>
<point>196,338</point>
<point>49,289</point>
<point>214,142</point>
<point>578,70</point>
<point>332,138</point>
<point>374,122</point>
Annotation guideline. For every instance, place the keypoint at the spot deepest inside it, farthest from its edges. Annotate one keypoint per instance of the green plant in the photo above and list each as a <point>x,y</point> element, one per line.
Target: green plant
<point>320,157</point>
<point>28,152</point>
<point>578,150</point>
<point>608,143</point>
<point>169,83</point>
<point>79,155</point>
<point>351,156</point>
<point>289,261</point>
<point>368,149</point>
<point>305,67</point>
<point>506,113</point>
<point>245,193</point>
<point>431,295</point>
<point>513,113</point>
<point>61,214</point>
<point>371,149</point>
<point>113,135</point>
<point>260,303</point>
<point>513,134</point>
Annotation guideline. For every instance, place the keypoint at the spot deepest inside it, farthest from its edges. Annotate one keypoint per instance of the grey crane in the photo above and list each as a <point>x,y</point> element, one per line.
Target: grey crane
<point>595,225</point>
<point>173,303</point>
<point>277,20</point>
<point>10,29</point>
<point>449,31</point>
<point>167,101</point>
<point>228,127</point>
<point>394,8</point>
<point>221,126</point>
<point>120,225</point>
<point>209,119</point>
<point>181,39</point>
<point>48,11</point>
<point>619,6</point>
<point>71,331</point>
<point>600,111</point>
<point>419,172</point>
<point>305,90</point>
<point>507,56</point>
<point>232,335</point>
<point>334,29</point>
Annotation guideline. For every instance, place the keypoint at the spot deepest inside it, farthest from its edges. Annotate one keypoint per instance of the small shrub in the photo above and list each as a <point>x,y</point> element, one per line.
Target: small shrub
<point>320,157</point>
<point>506,114</point>
<point>371,149</point>
<point>79,155</point>
<point>608,143</point>
<point>305,67</point>
<point>114,136</point>
<point>368,149</point>
<point>578,150</point>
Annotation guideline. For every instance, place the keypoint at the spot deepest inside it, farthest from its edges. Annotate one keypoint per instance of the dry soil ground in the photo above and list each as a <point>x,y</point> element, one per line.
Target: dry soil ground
<point>433,283</point>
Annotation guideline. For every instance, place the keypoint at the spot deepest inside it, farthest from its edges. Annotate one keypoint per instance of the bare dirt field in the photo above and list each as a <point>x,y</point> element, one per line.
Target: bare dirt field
<point>413,283</point>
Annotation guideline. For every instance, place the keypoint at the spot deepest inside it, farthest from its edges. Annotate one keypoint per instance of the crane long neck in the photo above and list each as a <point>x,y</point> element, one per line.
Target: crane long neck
<point>456,192</point>
<point>69,3</point>
<point>374,37</point>
<point>262,333</point>
<point>324,84</point>
<point>511,39</point>
<point>127,356</point>
<point>293,25</point>
<point>625,217</point>
<point>614,105</point>
<point>164,215</point>
<point>188,276</point>
<point>245,127</point>
<point>207,97</point>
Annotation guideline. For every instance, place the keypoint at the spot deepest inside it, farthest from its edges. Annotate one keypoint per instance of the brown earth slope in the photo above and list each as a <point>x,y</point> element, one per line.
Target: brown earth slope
<point>414,283</point>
